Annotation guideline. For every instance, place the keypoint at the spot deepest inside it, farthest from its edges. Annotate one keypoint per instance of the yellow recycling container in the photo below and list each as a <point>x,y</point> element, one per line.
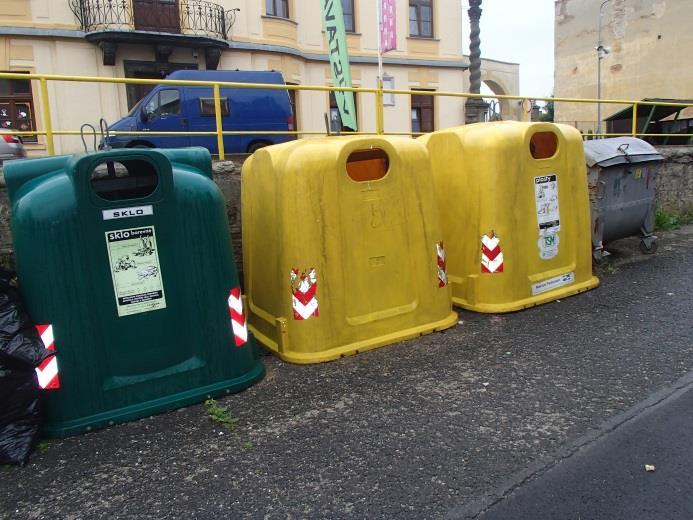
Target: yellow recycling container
<point>342,246</point>
<point>515,213</point>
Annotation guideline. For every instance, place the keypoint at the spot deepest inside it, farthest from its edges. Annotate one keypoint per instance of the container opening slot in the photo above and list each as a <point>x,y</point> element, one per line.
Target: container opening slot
<point>543,145</point>
<point>367,165</point>
<point>124,180</point>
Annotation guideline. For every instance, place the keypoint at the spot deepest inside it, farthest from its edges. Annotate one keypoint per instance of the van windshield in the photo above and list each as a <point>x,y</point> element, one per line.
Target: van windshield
<point>134,109</point>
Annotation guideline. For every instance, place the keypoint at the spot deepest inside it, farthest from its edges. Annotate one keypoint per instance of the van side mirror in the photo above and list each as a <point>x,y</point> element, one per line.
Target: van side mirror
<point>145,115</point>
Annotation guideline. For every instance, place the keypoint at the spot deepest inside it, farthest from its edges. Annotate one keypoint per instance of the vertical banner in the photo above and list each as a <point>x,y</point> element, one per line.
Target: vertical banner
<point>333,23</point>
<point>388,26</point>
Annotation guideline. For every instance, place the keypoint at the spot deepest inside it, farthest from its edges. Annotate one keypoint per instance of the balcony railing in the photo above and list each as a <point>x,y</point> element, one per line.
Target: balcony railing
<point>193,17</point>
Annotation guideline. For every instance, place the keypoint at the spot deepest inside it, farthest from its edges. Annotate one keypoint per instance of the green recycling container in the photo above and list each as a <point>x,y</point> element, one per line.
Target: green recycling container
<point>125,264</point>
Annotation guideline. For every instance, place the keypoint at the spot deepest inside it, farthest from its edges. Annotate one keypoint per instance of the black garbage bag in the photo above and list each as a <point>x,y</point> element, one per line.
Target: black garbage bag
<point>20,415</point>
<point>21,350</point>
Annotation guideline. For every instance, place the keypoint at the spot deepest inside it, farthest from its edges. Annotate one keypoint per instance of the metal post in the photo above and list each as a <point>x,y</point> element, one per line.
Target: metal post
<point>220,129</point>
<point>46,110</point>
<point>379,114</point>
<point>379,111</point>
<point>601,51</point>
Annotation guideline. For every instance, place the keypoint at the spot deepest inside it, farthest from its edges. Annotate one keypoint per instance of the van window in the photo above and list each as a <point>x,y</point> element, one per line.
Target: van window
<point>169,102</point>
<point>207,106</point>
<point>165,102</point>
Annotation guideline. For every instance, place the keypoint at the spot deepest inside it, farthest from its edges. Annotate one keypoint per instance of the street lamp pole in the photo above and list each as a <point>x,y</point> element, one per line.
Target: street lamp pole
<point>601,52</point>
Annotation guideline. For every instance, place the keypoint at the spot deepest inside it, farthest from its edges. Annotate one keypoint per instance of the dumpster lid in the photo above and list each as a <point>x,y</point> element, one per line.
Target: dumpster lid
<point>619,150</point>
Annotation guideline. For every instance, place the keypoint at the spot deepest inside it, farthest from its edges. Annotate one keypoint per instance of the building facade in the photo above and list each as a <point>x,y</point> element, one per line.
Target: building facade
<point>646,54</point>
<point>151,38</point>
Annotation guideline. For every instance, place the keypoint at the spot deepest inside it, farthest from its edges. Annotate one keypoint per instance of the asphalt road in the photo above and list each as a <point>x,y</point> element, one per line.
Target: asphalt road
<point>446,425</point>
<point>641,469</point>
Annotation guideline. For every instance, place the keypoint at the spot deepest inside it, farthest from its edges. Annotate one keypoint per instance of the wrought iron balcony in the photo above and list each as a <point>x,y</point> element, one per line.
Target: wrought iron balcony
<point>188,17</point>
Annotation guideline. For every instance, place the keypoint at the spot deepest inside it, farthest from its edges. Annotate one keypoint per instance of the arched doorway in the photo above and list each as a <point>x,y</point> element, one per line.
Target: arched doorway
<point>499,109</point>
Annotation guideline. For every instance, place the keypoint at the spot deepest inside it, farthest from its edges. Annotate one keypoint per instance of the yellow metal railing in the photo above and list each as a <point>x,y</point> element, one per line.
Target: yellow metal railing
<point>49,132</point>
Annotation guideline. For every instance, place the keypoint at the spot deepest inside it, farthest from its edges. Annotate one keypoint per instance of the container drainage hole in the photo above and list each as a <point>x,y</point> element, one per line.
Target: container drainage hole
<point>367,165</point>
<point>123,180</point>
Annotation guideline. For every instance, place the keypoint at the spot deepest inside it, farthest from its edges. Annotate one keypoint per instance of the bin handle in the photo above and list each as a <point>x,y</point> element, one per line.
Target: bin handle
<point>624,150</point>
<point>82,135</point>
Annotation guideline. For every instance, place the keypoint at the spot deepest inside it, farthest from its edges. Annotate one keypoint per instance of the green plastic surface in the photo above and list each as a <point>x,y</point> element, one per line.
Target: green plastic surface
<point>117,368</point>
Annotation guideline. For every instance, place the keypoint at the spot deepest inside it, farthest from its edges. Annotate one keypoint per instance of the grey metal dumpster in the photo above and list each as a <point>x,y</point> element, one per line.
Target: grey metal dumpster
<point>621,177</point>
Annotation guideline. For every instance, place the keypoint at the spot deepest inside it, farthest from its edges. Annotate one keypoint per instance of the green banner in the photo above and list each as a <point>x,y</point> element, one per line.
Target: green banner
<point>333,23</point>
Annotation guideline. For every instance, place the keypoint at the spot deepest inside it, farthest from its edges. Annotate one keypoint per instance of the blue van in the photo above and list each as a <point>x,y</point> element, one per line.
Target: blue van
<point>184,109</point>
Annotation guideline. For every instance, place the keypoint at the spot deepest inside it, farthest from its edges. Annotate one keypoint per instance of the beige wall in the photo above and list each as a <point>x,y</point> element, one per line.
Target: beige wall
<point>649,43</point>
<point>296,47</point>
<point>36,13</point>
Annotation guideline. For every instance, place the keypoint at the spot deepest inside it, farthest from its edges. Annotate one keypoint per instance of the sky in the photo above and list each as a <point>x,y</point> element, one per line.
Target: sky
<point>519,31</point>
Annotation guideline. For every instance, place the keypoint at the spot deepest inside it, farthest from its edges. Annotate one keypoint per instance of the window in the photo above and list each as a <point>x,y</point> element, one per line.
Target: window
<point>166,102</point>
<point>279,8</point>
<point>422,113</point>
<point>421,18</point>
<point>335,119</point>
<point>17,107</point>
<point>207,106</point>
<point>169,102</point>
<point>294,108</point>
<point>348,9</point>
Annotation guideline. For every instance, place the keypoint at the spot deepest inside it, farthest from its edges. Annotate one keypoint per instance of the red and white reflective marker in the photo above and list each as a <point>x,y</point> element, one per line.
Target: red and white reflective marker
<point>303,294</point>
<point>491,255</point>
<point>47,371</point>
<point>442,271</point>
<point>240,326</point>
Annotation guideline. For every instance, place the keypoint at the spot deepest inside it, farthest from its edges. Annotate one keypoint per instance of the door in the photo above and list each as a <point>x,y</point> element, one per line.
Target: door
<point>156,15</point>
<point>164,113</point>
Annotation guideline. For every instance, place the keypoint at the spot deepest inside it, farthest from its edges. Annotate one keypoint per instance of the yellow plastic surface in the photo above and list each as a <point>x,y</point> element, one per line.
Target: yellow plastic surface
<point>368,244</point>
<point>485,176</point>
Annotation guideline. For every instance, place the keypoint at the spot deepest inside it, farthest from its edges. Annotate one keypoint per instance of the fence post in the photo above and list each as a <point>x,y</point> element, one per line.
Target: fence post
<point>634,128</point>
<point>526,105</point>
<point>217,114</point>
<point>46,110</point>
<point>379,115</point>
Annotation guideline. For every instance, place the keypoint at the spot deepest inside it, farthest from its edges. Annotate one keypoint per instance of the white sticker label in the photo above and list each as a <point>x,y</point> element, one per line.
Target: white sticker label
<point>135,269</point>
<point>548,246</point>
<point>134,211</point>
<point>546,198</point>
<point>552,283</point>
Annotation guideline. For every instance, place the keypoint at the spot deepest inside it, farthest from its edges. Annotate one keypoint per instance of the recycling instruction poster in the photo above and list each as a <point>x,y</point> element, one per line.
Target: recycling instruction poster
<point>546,198</point>
<point>135,270</point>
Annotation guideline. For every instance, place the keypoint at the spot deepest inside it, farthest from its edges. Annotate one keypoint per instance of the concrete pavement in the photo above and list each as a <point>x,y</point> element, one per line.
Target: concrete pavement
<point>438,426</point>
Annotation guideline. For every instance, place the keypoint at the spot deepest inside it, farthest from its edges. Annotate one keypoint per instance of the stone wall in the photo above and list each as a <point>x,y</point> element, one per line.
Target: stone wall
<point>675,180</point>
<point>227,175</point>
<point>674,193</point>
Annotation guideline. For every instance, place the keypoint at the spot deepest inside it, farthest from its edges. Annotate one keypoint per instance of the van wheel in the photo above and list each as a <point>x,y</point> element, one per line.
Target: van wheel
<point>256,146</point>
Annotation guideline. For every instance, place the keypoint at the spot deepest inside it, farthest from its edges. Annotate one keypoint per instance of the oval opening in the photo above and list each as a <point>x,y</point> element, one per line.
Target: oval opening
<point>543,145</point>
<point>367,165</point>
<point>124,180</point>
